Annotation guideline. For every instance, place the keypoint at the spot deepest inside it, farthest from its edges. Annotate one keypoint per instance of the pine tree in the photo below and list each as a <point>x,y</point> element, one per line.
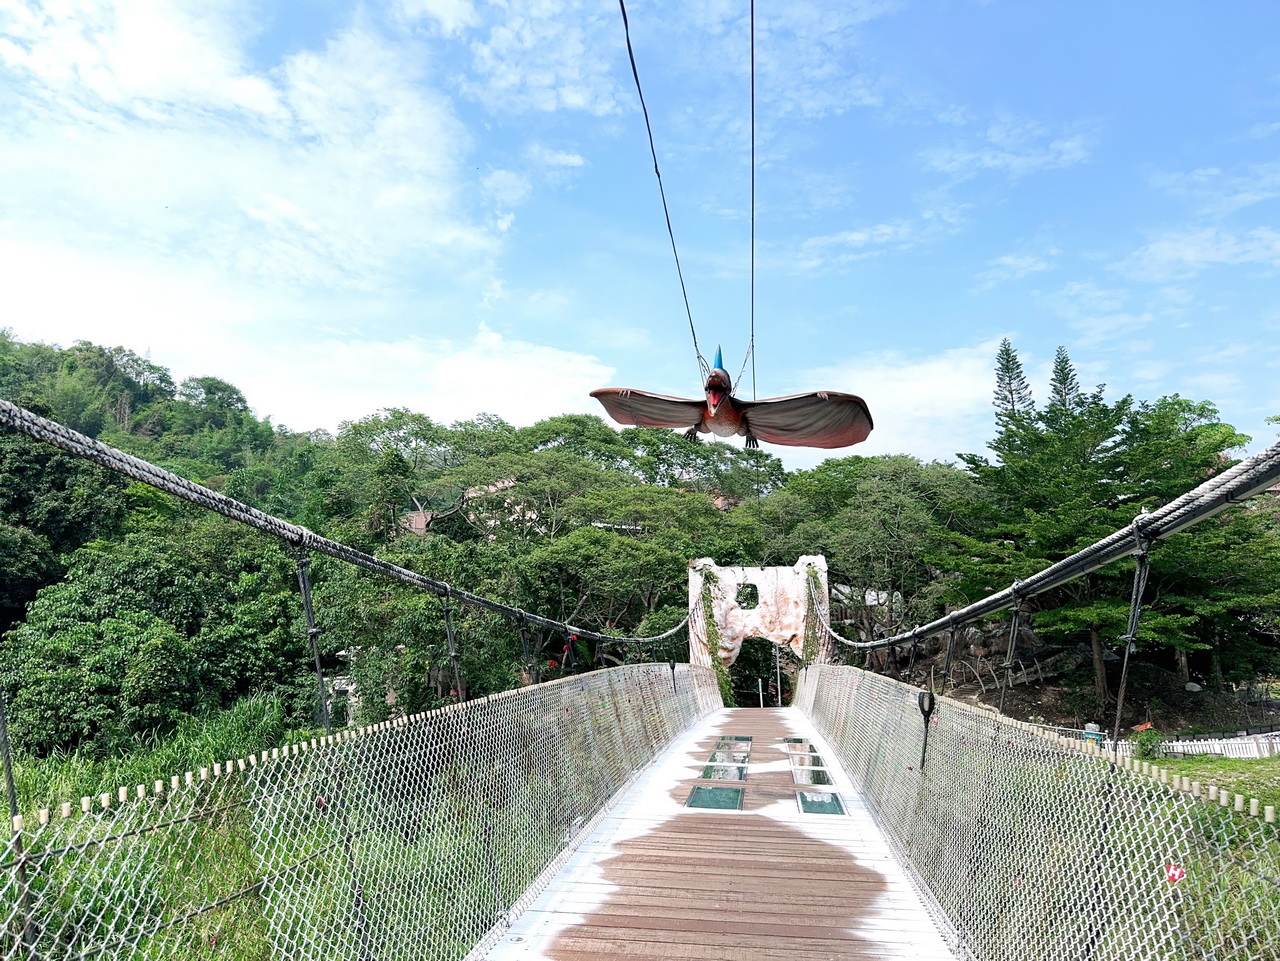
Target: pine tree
<point>1013,393</point>
<point>1064,388</point>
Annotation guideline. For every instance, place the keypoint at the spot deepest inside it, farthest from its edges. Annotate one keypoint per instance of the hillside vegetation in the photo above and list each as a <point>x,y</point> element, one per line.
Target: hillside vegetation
<point>127,616</point>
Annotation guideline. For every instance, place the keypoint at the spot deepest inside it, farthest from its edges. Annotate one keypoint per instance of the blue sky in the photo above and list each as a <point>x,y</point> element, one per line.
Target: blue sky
<point>448,205</point>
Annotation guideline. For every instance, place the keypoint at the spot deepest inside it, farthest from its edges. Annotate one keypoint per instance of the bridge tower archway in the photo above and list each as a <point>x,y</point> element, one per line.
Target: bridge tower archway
<point>727,605</point>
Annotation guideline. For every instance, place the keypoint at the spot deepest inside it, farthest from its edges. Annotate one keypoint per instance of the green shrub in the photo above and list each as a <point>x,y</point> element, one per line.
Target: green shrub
<point>1147,745</point>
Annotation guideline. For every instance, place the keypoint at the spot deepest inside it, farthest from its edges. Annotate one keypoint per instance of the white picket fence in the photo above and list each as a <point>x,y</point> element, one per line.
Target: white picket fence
<point>1254,746</point>
<point>1259,745</point>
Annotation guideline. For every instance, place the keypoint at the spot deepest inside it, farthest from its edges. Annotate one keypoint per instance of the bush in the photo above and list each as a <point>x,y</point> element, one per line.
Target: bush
<point>1147,745</point>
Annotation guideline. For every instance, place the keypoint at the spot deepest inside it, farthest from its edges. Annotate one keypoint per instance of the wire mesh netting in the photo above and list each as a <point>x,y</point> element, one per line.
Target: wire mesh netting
<point>1032,848</point>
<point>415,838</point>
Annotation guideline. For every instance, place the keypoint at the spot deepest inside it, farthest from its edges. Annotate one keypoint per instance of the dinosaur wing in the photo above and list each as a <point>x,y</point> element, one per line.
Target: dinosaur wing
<point>639,408</point>
<point>824,418</point>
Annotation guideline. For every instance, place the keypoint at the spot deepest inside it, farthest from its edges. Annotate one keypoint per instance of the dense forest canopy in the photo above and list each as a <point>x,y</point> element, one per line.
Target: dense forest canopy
<point>124,611</point>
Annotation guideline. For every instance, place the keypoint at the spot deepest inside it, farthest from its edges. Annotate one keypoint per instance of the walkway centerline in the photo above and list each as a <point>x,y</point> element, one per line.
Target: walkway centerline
<point>658,879</point>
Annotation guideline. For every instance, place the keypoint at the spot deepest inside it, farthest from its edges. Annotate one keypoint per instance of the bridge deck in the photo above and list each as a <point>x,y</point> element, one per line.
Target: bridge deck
<point>661,880</point>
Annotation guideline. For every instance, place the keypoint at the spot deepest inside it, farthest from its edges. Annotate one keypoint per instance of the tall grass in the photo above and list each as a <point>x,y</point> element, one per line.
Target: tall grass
<point>252,724</point>
<point>1252,777</point>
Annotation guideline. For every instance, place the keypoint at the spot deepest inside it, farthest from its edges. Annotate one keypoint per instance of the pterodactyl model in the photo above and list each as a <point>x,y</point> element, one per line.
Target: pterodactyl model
<point>824,418</point>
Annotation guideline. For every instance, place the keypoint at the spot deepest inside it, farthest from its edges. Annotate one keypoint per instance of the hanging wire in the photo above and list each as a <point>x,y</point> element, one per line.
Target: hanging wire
<point>635,73</point>
<point>751,346</point>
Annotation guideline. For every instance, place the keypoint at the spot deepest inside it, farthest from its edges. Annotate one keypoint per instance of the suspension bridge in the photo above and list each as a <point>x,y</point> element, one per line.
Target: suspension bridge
<point>625,812</point>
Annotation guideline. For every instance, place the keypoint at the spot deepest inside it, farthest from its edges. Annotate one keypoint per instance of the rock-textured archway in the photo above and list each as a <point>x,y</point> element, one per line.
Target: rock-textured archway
<point>783,598</point>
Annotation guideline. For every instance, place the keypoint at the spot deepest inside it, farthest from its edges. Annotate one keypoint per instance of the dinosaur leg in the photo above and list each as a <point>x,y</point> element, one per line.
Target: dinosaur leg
<point>692,435</point>
<point>752,443</point>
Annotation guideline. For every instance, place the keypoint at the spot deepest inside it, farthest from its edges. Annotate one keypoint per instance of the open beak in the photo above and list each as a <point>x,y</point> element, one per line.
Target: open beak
<point>714,399</point>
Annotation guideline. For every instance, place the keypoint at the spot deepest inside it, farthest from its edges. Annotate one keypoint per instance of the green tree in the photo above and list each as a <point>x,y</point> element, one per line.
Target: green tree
<point>94,684</point>
<point>1013,397</point>
<point>886,525</point>
<point>1072,472</point>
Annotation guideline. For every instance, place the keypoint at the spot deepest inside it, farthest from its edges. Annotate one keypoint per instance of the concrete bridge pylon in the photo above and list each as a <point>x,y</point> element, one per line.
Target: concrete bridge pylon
<point>784,601</point>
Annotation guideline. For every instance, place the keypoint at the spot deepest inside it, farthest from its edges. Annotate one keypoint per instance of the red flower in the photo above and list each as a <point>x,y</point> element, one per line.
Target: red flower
<point>552,664</point>
<point>1174,872</point>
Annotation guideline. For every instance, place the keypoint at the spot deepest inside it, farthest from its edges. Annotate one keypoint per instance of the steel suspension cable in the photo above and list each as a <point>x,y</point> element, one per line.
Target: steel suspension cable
<point>300,538</point>
<point>666,212</point>
<point>1233,486</point>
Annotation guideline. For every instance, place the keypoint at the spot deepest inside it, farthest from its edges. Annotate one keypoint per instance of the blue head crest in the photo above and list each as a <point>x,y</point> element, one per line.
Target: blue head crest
<point>719,364</point>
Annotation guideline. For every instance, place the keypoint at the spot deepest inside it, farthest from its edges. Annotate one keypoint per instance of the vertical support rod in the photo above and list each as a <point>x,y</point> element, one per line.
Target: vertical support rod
<point>1143,557</point>
<point>11,789</point>
<point>1013,644</point>
<point>524,647</point>
<point>453,650</point>
<point>951,653</point>
<point>313,634</point>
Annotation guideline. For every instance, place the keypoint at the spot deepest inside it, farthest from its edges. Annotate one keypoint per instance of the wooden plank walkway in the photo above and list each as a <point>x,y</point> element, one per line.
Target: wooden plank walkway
<point>659,880</point>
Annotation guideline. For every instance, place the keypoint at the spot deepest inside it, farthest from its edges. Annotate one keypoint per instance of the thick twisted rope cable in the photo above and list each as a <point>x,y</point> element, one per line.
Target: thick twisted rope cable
<point>1235,485</point>
<point>42,429</point>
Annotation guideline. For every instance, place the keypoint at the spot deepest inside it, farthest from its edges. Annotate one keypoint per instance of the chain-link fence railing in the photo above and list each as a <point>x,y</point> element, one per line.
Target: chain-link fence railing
<point>412,839</point>
<point>1035,848</point>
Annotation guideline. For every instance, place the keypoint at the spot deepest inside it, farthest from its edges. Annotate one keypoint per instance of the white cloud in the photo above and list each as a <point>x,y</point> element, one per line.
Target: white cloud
<point>1150,372</point>
<point>548,55</point>
<point>305,363</point>
<point>507,187</point>
<point>1011,267</point>
<point>140,56</point>
<point>452,16</point>
<point>448,379</point>
<point>548,157</point>
<point>932,406</point>
<point>141,126</point>
<point>1220,193</point>
<point>847,246</point>
<point>1215,384</point>
<point>1014,148</point>
<point>190,318</point>
<point>1184,253</point>
<point>803,63</point>
<point>1097,314</point>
